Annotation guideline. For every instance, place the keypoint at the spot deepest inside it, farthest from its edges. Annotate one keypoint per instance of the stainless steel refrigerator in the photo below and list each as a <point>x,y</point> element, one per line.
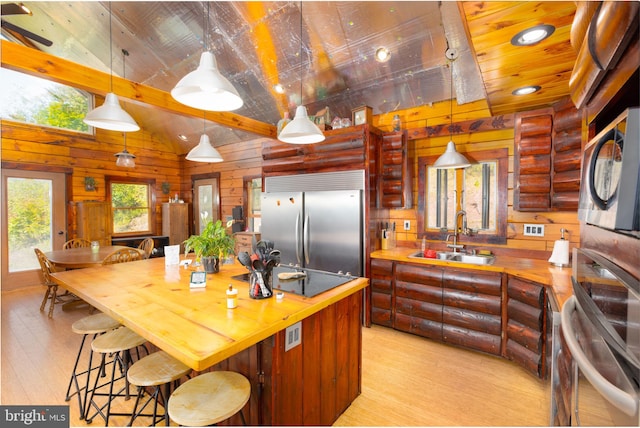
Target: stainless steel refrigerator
<point>317,229</point>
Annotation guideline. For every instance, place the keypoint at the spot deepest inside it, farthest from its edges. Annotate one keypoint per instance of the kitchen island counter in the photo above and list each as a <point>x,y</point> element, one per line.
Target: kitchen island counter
<point>309,382</point>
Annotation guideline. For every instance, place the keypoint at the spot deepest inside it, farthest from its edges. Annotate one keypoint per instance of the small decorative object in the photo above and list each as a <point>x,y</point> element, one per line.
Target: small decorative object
<point>166,187</point>
<point>89,184</point>
<point>345,122</point>
<point>232,297</point>
<point>198,280</point>
<point>95,246</point>
<point>361,115</point>
<point>213,243</point>
<point>336,123</point>
<point>396,123</point>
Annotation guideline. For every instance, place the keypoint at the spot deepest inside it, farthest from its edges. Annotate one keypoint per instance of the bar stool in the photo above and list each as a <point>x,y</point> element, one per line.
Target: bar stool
<point>209,398</point>
<point>155,370</point>
<point>117,343</point>
<point>92,325</point>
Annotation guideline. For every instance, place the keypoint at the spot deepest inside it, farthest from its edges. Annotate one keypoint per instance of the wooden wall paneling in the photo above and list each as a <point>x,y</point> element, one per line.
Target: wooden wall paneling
<point>566,157</point>
<point>394,177</point>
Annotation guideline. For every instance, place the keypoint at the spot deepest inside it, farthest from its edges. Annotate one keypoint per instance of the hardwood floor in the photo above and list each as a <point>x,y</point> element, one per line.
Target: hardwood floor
<point>407,380</point>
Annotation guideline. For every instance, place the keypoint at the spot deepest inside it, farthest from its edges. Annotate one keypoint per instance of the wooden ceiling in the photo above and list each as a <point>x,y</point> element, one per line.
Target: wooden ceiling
<point>337,33</point>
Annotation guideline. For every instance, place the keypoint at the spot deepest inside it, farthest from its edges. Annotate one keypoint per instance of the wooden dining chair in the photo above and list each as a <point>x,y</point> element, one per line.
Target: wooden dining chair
<point>123,255</point>
<point>147,247</point>
<point>52,288</point>
<point>76,243</point>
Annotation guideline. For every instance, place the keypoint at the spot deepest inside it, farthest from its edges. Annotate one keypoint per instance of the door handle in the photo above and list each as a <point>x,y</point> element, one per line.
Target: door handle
<point>61,232</point>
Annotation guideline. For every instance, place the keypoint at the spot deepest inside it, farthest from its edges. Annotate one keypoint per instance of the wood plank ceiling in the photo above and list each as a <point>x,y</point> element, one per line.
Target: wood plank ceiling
<point>322,51</point>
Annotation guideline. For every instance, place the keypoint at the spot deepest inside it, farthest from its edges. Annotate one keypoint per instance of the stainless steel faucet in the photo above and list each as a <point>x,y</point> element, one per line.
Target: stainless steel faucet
<point>465,231</point>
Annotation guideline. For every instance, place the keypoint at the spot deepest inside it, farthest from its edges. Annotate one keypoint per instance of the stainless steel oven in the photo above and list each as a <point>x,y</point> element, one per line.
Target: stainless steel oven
<point>610,186</point>
<point>601,325</point>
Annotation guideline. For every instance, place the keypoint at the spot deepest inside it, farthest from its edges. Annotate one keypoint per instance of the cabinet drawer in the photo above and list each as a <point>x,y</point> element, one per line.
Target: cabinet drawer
<point>473,281</point>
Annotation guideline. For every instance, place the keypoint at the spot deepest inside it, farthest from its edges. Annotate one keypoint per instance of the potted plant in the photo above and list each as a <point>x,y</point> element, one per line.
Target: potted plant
<point>211,244</point>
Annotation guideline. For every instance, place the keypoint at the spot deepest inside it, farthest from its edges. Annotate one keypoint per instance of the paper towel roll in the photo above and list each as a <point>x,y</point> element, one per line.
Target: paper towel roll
<point>560,253</point>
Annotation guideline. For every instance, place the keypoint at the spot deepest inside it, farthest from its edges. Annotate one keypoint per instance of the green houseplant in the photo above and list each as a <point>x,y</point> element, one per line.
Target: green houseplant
<point>211,244</point>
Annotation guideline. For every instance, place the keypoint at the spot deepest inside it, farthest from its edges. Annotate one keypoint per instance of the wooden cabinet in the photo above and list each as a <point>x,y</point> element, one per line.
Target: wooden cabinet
<point>526,340</point>
<point>394,174</point>
<point>175,223</point>
<point>90,220</point>
<point>472,309</point>
<point>244,241</point>
<point>381,284</point>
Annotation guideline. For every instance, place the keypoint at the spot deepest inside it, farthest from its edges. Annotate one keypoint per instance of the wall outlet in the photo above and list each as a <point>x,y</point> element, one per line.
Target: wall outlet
<point>293,336</point>
<point>407,225</point>
<point>534,229</point>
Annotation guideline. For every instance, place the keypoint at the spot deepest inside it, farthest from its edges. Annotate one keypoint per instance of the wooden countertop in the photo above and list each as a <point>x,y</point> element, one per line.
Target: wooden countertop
<point>540,271</point>
<point>192,325</point>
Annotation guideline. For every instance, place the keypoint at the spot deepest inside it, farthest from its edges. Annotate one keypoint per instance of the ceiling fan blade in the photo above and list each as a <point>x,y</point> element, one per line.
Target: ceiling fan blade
<point>26,33</point>
<point>14,9</point>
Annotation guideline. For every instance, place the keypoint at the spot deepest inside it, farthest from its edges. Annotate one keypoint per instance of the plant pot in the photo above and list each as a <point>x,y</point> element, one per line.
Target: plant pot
<point>211,264</point>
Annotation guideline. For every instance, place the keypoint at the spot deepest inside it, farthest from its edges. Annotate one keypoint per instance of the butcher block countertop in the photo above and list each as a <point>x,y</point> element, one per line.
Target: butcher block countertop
<point>540,271</point>
<point>192,325</point>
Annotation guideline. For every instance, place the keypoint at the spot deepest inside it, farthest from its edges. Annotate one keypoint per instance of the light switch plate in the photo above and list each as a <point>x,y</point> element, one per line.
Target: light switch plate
<point>533,229</point>
<point>407,225</point>
<point>293,336</point>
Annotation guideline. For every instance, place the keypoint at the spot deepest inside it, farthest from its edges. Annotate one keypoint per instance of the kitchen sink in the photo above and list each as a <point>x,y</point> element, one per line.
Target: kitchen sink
<point>450,256</point>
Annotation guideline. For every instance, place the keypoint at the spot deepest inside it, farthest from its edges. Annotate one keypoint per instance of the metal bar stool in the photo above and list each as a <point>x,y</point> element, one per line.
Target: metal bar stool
<point>155,370</point>
<point>117,343</point>
<point>92,325</point>
<point>209,398</point>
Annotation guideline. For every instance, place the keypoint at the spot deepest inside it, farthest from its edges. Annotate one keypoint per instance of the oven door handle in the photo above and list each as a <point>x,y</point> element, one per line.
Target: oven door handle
<point>619,398</point>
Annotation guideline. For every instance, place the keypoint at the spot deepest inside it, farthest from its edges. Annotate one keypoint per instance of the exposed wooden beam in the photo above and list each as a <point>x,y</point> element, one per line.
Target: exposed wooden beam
<point>46,66</point>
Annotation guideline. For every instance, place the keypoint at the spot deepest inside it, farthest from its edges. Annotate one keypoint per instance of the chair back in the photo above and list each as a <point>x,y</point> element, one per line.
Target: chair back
<point>123,255</point>
<point>147,247</point>
<point>76,243</point>
<point>46,267</point>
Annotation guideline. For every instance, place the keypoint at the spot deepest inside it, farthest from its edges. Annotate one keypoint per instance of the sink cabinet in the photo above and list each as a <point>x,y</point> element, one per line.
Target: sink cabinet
<point>476,309</point>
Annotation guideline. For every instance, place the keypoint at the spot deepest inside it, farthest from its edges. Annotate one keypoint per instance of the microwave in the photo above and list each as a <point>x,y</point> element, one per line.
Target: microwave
<point>610,185</point>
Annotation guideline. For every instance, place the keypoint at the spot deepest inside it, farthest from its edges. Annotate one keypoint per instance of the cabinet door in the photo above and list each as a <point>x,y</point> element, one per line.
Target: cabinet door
<point>394,177</point>
<point>381,292</point>
<point>175,223</point>
<point>472,309</point>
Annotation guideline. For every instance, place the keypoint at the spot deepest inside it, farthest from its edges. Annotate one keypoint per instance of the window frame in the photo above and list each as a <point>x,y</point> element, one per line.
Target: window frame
<point>151,183</point>
<point>250,216</point>
<point>501,156</point>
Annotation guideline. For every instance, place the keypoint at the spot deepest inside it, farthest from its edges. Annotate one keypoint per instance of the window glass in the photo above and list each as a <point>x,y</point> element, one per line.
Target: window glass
<point>254,216</point>
<point>479,198</point>
<point>130,205</point>
<point>29,99</point>
<point>441,199</point>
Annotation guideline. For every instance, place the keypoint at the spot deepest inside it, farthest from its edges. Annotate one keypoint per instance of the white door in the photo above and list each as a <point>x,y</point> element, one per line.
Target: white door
<point>206,202</point>
<point>33,216</point>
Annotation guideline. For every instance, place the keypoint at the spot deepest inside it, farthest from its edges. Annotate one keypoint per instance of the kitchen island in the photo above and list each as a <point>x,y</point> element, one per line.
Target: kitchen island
<point>307,384</point>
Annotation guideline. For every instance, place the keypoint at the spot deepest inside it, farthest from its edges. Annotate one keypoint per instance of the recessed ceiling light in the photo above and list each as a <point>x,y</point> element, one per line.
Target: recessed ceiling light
<point>532,35</point>
<point>526,90</point>
<point>382,54</point>
<point>183,137</point>
<point>278,88</point>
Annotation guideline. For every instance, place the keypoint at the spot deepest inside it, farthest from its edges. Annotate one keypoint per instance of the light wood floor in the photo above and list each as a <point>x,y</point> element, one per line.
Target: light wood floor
<point>407,380</point>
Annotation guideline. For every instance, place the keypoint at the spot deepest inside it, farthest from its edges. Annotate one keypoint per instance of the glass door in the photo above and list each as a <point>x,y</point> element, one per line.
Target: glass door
<point>206,202</point>
<point>33,216</point>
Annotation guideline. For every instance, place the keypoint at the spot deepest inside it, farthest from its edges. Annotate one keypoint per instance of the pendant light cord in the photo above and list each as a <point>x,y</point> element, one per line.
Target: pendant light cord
<point>110,50</point>
<point>451,100</point>
<point>125,54</point>
<point>301,67</point>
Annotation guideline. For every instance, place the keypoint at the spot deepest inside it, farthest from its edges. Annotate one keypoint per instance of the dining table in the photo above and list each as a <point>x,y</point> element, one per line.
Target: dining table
<point>81,257</point>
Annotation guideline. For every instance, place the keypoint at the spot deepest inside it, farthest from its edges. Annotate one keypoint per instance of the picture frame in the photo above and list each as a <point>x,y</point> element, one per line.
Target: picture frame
<point>361,115</point>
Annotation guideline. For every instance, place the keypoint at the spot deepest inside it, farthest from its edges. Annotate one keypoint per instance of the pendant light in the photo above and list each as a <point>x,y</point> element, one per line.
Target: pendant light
<point>301,130</point>
<point>451,158</point>
<point>204,151</point>
<point>205,88</point>
<point>110,115</point>
<point>124,158</point>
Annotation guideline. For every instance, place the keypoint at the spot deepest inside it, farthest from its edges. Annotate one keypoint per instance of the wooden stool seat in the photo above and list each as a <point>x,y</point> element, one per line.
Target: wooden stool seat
<point>209,398</point>
<point>117,340</point>
<point>156,369</point>
<point>94,324</point>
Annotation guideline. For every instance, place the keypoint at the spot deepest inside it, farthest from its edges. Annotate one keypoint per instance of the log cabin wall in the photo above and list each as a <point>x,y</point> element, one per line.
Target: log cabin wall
<point>42,148</point>
<point>467,116</point>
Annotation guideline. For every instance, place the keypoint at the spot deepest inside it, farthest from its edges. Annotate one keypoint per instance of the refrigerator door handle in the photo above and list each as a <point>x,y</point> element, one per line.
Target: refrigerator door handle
<point>298,243</point>
<point>305,241</point>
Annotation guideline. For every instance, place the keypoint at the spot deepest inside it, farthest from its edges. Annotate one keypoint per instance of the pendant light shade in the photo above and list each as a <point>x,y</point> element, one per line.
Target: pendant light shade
<point>451,158</point>
<point>204,151</point>
<point>125,159</point>
<point>111,116</point>
<point>206,89</point>
<point>301,130</point>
